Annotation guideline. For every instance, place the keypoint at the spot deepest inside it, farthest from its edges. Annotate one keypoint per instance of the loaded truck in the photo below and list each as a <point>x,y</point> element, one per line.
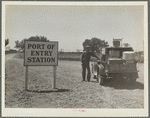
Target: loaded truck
<point>115,61</point>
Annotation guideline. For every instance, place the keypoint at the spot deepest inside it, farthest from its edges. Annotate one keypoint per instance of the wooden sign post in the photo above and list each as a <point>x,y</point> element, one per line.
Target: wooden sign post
<point>54,77</point>
<point>39,53</point>
<point>26,78</point>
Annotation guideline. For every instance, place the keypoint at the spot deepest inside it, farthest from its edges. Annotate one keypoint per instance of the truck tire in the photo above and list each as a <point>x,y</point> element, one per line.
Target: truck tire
<point>101,80</point>
<point>132,78</point>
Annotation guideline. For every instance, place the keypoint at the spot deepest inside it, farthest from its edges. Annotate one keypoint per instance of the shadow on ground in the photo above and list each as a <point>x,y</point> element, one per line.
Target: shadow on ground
<point>94,81</point>
<point>122,83</point>
<point>49,91</point>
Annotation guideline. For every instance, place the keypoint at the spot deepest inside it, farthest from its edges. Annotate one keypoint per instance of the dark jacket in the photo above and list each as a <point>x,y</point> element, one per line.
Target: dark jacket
<point>86,57</point>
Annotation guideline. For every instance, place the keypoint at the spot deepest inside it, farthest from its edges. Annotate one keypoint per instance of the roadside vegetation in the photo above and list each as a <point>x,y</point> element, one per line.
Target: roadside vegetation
<point>95,45</point>
<point>76,56</point>
<point>20,44</point>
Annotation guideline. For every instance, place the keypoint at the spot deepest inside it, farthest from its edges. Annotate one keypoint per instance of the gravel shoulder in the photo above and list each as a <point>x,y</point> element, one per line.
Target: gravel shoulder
<point>72,93</point>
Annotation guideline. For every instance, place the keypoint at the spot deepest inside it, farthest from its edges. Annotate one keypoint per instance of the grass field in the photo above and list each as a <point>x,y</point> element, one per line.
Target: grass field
<point>71,92</point>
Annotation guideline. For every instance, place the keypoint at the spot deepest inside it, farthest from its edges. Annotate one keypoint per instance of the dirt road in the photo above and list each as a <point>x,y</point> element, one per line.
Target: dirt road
<point>9,56</point>
<point>72,93</point>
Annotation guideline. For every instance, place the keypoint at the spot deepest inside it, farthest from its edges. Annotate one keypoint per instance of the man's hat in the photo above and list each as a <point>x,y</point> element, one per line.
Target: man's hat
<point>86,47</point>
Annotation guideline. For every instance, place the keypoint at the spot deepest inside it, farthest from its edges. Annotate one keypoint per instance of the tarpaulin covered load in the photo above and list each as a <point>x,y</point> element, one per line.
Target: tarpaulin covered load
<point>129,56</point>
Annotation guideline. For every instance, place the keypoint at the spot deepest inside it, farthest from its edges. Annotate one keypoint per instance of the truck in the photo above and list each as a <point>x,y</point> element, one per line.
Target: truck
<point>115,61</point>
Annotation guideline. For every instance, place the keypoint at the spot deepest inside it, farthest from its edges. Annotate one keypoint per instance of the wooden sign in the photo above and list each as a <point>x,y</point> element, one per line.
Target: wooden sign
<point>41,53</point>
<point>38,53</point>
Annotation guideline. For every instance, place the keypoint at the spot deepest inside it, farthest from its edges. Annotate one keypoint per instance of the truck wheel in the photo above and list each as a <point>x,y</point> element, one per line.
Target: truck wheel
<point>97,79</point>
<point>132,78</point>
<point>101,80</point>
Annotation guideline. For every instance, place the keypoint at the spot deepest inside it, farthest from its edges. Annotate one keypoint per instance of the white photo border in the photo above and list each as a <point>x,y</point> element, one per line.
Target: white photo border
<point>66,112</point>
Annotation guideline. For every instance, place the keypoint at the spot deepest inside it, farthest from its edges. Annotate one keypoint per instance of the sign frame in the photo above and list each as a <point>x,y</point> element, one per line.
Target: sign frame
<point>41,42</point>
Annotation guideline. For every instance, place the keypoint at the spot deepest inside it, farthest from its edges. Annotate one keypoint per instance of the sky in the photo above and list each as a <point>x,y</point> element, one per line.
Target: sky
<point>71,25</point>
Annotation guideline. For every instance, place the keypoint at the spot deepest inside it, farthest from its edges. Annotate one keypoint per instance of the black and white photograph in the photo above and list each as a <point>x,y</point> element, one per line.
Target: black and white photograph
<point>74,59</point>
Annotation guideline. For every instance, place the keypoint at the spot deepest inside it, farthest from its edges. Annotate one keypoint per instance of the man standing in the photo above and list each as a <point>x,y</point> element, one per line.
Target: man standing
<point>85,59</point>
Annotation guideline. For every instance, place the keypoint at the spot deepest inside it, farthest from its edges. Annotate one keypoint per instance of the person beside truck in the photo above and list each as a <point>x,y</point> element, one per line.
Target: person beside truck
<point>85,59</point>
